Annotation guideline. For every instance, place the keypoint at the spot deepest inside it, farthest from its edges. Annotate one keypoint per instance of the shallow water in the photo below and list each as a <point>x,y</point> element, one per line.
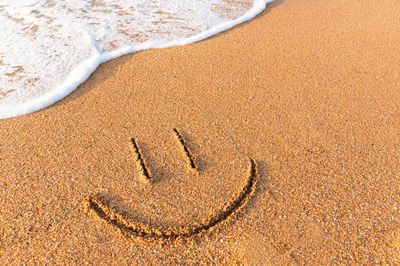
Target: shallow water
<point>49,47</point>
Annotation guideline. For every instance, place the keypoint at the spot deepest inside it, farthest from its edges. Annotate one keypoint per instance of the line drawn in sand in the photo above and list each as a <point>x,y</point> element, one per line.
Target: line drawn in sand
<point>98,207</point>
<point>190,161</point>
<point>141,162</point>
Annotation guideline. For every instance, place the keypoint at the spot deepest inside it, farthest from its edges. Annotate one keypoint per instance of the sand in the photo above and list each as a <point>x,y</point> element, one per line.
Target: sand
<point>309,90</point>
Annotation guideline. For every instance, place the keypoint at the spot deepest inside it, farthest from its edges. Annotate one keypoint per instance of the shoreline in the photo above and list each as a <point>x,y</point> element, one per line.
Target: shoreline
<point>84,70</point>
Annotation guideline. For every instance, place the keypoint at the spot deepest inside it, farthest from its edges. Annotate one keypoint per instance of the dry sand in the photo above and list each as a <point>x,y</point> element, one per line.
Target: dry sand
<point>309,90</point>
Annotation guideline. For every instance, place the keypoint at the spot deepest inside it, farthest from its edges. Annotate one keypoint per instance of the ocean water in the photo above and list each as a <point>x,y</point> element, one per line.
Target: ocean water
<point>49,47</point>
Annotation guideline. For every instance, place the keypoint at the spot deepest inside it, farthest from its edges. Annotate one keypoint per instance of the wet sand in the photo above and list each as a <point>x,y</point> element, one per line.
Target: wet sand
<point>309,90</point>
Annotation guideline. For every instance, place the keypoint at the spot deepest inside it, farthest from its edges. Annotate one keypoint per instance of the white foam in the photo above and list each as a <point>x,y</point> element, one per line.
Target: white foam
<point>50,47</point>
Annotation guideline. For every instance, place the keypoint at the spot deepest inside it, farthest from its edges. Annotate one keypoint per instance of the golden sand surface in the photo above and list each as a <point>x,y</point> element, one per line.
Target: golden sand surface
<point>309,90</point>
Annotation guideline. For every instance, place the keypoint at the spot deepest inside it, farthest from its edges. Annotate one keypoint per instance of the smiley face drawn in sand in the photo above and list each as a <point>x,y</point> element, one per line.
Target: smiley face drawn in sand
<point>98,207</point>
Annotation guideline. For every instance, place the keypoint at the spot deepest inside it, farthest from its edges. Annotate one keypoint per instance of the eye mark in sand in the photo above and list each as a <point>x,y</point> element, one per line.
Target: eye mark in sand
<point>191,164</point>
<point>97,207</point>
<point>141,163</point>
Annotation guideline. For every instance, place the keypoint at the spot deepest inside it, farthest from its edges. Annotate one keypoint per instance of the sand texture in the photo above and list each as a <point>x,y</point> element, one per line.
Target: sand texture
<point>277,142</point>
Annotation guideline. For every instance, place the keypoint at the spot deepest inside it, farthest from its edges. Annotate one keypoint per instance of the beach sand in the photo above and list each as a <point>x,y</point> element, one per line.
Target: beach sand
<point>309,90</point>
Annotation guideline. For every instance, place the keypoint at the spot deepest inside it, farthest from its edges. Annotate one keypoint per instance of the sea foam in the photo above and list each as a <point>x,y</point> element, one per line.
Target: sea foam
<point>49,47</point>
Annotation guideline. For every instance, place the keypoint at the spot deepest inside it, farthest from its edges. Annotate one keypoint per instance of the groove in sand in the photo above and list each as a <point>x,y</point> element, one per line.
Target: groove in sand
<point>141,163</point>
<point>97,207</point>
<point>190,161</point>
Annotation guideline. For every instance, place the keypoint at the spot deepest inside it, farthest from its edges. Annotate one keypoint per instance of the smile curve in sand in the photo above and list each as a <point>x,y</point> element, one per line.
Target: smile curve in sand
<point>97,206</point>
